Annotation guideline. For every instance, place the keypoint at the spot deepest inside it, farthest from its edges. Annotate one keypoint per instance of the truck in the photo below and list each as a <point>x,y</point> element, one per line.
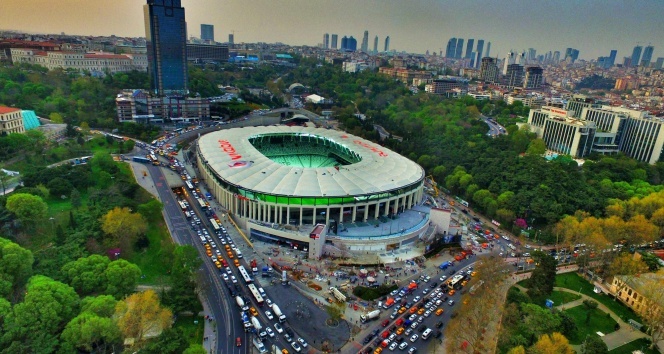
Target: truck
<point>245,321</point>
<point>444,265</point>
<point>256,323</point>
<point>388,303</point>
<point>278,313</point>
<point>241,304</point>
<point>338,294</point>
<point>259,345</point>
<point>141,159</point>
<point>411,287</point>
<point>254,266</point>
<point>371,315</point>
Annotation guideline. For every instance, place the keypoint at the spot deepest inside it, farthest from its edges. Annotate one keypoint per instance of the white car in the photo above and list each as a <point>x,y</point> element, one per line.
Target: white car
<point>303,342</point>
<point>417,298</point>
<point>427,313</point>
<point>414,338</point>
<point>420,319</point>
<point>233,279</point>
<point>268,302</point>
<point>278,328</point>
<point>403,345</point>
<point>269,331</point>
<point>296,346</point>
<point>228,270</point>
<point>393,346</point>
<point>224,276</point>
<point>269,316</point>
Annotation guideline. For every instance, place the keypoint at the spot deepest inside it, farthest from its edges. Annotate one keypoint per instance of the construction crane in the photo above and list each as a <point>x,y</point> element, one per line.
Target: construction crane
<point>434,185</point>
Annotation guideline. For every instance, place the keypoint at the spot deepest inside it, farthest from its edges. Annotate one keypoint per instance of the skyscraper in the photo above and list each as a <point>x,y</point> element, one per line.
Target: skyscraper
<point>659,63</point>
<point>647,56</point>
<point>375,49</point>
<point>207,32</point>
<point>488,50</point>
<point>469,48</point>
<point>334,41</point>
<point>326,40</point>
<point>344,43</point>
<point>459,49</point>
<point>166,39</point>
<point>532,55</point>
<point>451,48</point>
<point>352,44</point>
<point>365,42</point>
<point>387,44</point>
<point>510,59</point>
<point>612,59</point>
<point>556,57</point>
<point>231,40</point>
<point>480,48</point>
<point>636,55</point>
<point>534,76</point>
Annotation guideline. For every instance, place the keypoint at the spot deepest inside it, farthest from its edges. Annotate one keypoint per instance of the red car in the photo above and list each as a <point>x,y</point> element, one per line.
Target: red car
<point>238,341</point>
<point>399,322</point>
<point>385,323</point>
<point>385,334</point>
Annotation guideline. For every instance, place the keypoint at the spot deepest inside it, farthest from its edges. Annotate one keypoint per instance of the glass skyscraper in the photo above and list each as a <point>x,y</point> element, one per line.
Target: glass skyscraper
<point>207,32</point>
<point>166,37</point>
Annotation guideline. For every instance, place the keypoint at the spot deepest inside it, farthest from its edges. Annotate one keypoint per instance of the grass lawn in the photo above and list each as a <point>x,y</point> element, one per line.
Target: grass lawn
<point>193,330</point>
<point>639,344</point>
<point>599,322</point>
<point>574,282</point>
<point>154,261</point>
<point>562,297</point>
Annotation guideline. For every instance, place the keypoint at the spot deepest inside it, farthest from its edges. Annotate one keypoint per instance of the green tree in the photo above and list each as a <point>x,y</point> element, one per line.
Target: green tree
<point>75,198</point>
<point>594,345</point>
<point>536,147</point>
<point>59,187</point>
<point>102,305</point>
<point>87,275</point>
<point>538,321</point>
<point>182,295</point>
<point>30,209</point>
<point>15,266</point>
<point>195,349</point>
<point>170,341</point>
<point>151,210</point>
<point>540,284</point>
<point>89,332</point>
<point>121,278</point>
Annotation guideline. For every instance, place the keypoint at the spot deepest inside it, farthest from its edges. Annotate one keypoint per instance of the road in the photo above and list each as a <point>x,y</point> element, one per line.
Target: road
<point>495,129</point>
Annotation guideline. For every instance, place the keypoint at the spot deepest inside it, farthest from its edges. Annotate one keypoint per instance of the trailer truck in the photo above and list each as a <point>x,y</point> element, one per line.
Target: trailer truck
<point>370,316</point>
<point>259,345</point>
<point>241,304</point>
<point>256,323</point>
<point>278,313</point>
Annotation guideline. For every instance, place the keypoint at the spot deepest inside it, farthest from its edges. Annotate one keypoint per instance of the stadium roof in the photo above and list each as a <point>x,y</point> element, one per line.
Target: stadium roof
<point>241,164</point>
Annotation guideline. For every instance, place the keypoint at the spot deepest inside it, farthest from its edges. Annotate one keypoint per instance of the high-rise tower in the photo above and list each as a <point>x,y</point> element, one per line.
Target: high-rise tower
<point>375,48</point>
<point>451,48</point>
<point>326,40</point>
<point>469,48</point>
<point>480,48</point>
<point>647,56</point>
<point>387,44</point>
<point>166,39</point>
<point>365,42</point>
<point>207,32</point>
<point>488,50</point>
<point>334,41</point>
<point>459,49</point>
<point>636,55</point>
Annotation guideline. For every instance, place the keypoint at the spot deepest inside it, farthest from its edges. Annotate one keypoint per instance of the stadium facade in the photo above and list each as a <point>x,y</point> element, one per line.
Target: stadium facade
<point>279,182</point>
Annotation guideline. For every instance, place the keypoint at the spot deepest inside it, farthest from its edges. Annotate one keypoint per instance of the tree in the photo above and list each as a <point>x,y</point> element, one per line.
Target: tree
<point>75,198</point>
<point>123,227</point>
<point>538,321</point>
<point>30,209</point>
<point>540,284</point>
<point>517,350</point>
<point>88,332</point>
<point>121,278</point>
<point>555,343</point>
<point>334,311</point>
<point>170,341</point>
<point>195,349</point>
<point>182,295</point>
<point>141,314</point>
<point>151,210</point>
<point>87,275</point>
<point>15,266</point>
<point>102,305</point>
<point>594,345</point>
<point>536,147</point>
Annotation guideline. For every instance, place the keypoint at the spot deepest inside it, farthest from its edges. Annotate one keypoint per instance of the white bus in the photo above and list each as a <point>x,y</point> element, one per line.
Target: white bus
<point>215,226</point>
<point>255,294</point>
<point>189,185</point>
<point>201,202</point>
<point>244,274</point>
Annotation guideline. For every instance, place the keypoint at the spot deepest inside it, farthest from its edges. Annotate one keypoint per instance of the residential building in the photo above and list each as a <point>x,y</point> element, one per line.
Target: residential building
<point>534,76</point>
<point>140,106</point>
<point>561,132</point>
<point>355,66</point>
<point>207,52</point>
<point>642,293</point>
<point>334,41</point>
<point>647,56</point>
<point>207,32</point>
<point>489,70</point>
<point>621,84</point>
<point>404,75</point>
<point>514,76</point>
<point>166,38</point>
<point>532,101</point>
<point>11,120</point>
<point>450,51</point>
<point>450,87</point>
<point>326,41</point>
<point>636,55</point>
<point>98,64</point>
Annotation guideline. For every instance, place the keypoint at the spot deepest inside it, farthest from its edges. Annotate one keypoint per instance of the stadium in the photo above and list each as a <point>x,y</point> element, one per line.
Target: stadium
<point>279,182</point>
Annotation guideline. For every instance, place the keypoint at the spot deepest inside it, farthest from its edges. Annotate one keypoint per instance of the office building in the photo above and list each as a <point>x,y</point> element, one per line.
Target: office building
<point>166,38</point>
<point>473,59</point>
<point>344,43</point>
<point>231,39</point>
<point>459,49</point>
<point>387,44</point>
<point>520,59</point>
<point>11,120</point>
<point>571,55</point>
<point>207,32</point>
<point>643,138</point>
<point>348,44</point>
<point>139,106</point>
<point>334,41</point>
<point>375,47</point>
<point>513,76</point>
<point>612,59</point>
<point>561,132</point>
<point>636,55</point>
<point>659,63</point>
<point>469,48</point>
<point>450,51</point>
<point>556,57</point>
<point>478,57</point>
<point>534,75</point>
<point>489,70</point>
<point>488,50</point>
<point>610,125</point>
<point>326,41</point>
<point>577,103</point>
<point>647,56</point>
<point>510,59</point>
<point>205,53</point>
<point>449,87</point>
<point>365,42</point>
<point>532,56</point>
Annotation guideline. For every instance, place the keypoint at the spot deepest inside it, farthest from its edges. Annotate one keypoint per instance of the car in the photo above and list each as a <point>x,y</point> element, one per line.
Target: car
<point>402,310</point>
<point>414,325</point>
<point>417,298</point>
<point>385,343</point>
<point>438,334</point>
<point>427,313</point>
<point>378,350</point>
<point>452,292</point>
<point>414,337</point>
<point>233,279</point>
<point>472,274</point>
<point>425,291</point>
<point>268,302</point>
<point>269,331</point>
<point>413,309</point>
<point>403,345</point>
<point>438,302</point>
<point>422,329</point>
<point>420,319</point>
<point>224,276</point>
<point>399,322</point>
<point>284,351</point>
<point>366,340</point>
<point>421,311</point>
<point>442,279</point>
<point>400,330</point>
<point>439,311</point>
<point>392,336</point>
<point>412,350</point>
<point>253,312</point>
<point>303,342</point>
<point>394,314</point>
<point>394,292</point>
<point>451,302</point>
<point>228,270</point>
<point>385,323</point>
<point>408,331</point>
<point>238,342</point>
<point>278,328</point>
<point>262,334</point>
<point>269,316</point>
<point>439,324</point>
<point>296,346</point>
<point>393,346</point>
<point>412,317</point>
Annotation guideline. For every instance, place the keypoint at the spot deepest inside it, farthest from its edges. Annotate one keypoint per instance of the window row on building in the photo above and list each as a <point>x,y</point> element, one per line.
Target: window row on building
<point>140,106</point>
<point>93,62</point>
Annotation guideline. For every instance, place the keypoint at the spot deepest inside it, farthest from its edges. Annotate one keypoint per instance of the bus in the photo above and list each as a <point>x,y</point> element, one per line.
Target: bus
<point>183,206</point>
<point>455,283</point>
<point>254,292</point>
<point>244,274</point>
<point>189,185</point>
<point>215,226</point>
<point>201,202</point>
<point>153,157</point>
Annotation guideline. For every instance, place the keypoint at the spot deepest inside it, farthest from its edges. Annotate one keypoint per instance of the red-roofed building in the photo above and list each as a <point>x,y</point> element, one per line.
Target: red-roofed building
<point>11,120</point>
<point>96,63</point>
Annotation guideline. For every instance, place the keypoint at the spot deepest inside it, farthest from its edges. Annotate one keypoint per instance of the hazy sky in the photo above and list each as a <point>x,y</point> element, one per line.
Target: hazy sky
<point>592,26</point>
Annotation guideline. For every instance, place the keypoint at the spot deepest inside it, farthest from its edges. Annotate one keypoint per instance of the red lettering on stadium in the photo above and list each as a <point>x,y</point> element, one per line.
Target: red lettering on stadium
<point>228,148</point>
<point>374,149</point>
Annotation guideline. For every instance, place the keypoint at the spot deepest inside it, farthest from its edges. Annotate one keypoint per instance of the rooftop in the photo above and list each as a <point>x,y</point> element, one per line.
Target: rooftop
<point>4,109</point>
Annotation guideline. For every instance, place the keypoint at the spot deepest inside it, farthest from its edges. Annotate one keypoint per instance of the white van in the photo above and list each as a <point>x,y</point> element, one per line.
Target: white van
<point>426,333</point>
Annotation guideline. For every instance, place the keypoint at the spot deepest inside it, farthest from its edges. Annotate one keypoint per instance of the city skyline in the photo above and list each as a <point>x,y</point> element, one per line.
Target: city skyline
<point>415,26</point>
